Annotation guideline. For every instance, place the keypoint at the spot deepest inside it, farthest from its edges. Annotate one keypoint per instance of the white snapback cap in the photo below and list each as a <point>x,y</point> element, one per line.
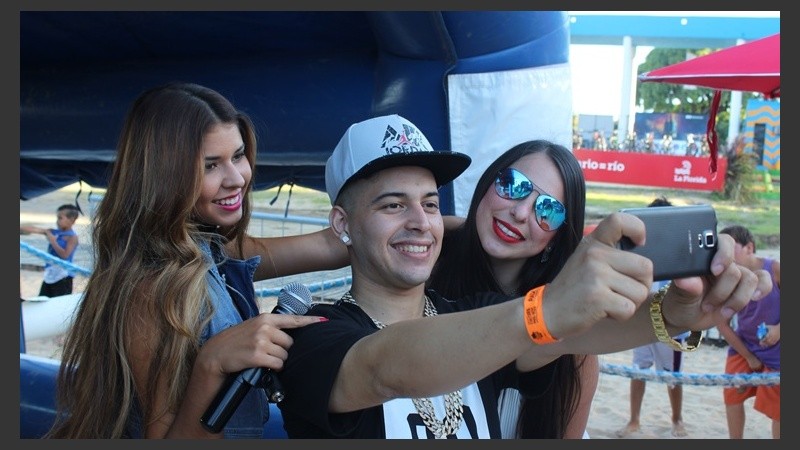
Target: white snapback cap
<point>383,142</point>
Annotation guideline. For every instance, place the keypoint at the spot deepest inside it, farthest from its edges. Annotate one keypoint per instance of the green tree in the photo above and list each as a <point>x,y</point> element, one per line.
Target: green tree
<point>669,97</point>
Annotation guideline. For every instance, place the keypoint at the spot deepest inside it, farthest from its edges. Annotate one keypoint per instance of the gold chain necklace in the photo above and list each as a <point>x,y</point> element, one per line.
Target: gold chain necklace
<point>453,402</point>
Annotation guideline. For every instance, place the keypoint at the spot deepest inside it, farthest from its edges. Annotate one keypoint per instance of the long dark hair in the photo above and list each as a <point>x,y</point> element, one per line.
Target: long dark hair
<point>464,269</point>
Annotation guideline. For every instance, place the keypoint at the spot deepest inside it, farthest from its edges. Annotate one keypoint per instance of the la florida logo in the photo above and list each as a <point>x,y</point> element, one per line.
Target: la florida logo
<point>683,174</point>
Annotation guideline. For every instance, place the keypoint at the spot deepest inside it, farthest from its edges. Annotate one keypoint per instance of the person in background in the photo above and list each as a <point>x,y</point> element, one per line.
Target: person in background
<point>755,344</point>
<point>169,311</point>
<point>62,242</point>
<point>662,357</point>
<point>397,360</point>
<point>511,242</point>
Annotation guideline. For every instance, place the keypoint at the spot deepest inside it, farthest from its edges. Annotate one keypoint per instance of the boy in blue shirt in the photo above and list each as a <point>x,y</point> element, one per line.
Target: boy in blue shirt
<point>62,243</point>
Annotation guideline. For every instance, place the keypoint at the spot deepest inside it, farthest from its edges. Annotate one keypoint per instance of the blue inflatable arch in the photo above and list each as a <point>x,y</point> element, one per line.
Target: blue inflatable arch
<point>302,76</point>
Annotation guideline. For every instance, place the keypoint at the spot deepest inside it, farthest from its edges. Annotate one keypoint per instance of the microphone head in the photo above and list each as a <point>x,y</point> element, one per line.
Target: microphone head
<point>294,298</point>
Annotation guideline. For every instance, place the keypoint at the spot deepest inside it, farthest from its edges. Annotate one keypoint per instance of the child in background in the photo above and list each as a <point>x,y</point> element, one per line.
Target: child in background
<point>62,243</point>
<point>661,357</point>
<point>752,350</point>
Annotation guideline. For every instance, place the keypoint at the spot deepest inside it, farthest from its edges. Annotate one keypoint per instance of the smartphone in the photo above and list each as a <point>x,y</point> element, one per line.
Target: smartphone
<point>681,240</point>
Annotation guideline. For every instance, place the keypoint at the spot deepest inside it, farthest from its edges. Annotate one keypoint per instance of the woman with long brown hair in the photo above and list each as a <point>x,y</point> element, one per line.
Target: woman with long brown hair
<point>169,310</point>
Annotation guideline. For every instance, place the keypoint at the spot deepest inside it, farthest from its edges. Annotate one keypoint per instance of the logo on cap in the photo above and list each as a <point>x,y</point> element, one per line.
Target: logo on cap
<point>410,140</point>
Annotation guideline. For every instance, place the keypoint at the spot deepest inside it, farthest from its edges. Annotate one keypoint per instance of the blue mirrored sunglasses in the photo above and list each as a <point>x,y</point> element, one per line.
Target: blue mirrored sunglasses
<point>512,184</point>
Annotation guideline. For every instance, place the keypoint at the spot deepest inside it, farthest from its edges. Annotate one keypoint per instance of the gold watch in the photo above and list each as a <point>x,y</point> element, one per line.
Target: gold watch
<point>660,327</point>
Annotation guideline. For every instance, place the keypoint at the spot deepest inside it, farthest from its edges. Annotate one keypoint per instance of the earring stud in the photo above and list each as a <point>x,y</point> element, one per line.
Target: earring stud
<point>345,238</point>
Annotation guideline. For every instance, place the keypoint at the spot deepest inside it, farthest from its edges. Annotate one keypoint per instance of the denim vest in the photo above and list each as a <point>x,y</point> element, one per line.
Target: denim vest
<point>233,296</point>
<point>230,287</point>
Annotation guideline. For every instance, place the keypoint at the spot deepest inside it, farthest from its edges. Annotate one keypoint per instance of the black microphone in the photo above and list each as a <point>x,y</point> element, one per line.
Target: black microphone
<point>294,298</point>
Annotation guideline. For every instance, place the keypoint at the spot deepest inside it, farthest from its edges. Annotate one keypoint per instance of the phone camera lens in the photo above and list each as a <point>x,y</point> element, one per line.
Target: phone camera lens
<point>710,240</point>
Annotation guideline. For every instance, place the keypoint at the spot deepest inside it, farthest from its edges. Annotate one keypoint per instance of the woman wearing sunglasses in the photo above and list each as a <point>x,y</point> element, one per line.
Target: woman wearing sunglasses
<point>525,219</point>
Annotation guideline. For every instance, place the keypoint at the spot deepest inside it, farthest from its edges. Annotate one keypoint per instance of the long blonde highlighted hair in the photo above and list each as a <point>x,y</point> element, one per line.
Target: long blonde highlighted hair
<point>149,272</point>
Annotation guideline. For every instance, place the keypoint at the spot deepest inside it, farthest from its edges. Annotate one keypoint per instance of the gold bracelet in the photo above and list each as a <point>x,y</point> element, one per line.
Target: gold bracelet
<point>660,327</point>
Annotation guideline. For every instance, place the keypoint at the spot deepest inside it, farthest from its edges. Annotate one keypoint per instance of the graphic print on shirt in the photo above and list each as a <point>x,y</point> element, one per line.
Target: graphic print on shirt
<point>402,421</point>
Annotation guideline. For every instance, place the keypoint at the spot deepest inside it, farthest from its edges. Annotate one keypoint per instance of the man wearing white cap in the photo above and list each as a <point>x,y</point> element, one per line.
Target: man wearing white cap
<point>395,360</point>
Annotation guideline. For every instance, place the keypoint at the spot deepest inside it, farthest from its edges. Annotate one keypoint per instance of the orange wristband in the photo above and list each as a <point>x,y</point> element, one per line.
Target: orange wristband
<point>534,317</point>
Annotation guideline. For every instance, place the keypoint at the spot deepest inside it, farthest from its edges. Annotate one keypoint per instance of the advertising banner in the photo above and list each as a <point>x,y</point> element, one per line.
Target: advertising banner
<point>678,126</point>
<point>644,169</point>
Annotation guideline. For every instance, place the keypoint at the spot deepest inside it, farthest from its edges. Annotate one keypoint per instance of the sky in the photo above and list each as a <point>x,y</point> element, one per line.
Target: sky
<point>599,65</point>
<point>586,59</point>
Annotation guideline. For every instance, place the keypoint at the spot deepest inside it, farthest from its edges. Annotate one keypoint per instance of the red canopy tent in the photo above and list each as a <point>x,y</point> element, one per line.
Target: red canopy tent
<point>752,66</point>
